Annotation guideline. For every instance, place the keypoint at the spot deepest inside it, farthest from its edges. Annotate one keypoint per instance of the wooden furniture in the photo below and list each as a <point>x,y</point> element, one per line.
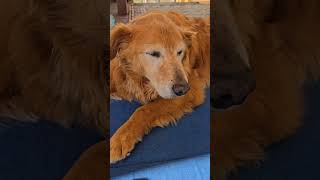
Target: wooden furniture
<point>122,7</point>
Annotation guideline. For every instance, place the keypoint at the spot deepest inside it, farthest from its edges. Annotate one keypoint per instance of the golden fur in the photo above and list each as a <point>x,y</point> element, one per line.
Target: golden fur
<point>131,79</point>
<point>91,164</point>
<point>281,38</point>
<point>52,66</point>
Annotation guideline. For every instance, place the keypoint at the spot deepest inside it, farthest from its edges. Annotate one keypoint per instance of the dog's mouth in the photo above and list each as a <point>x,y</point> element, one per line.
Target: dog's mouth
<point>170,92</point>
<point>145,80</point>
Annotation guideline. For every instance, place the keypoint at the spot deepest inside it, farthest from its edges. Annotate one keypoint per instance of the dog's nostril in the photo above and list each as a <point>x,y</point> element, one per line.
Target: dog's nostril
<point>180,89</point>
<point>223,101</point>
<point>226,99</point>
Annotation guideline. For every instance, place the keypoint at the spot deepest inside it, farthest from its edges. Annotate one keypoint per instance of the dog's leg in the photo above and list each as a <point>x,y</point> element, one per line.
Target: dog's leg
<point>91,164</point>
<point>161,113</point>
<point>241,133</point>
<point>235,141</point>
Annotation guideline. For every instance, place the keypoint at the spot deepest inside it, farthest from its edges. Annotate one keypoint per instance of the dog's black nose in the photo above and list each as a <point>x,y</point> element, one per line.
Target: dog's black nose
<point>229,91</point>
<point>180,89</point>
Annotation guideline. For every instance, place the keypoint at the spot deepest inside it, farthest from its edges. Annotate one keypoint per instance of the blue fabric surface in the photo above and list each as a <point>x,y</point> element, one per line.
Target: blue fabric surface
<point>196,168</point>
<point>191,137</point>
<point>296,158</point>
<point>47,151</point>
<point>40,151</point>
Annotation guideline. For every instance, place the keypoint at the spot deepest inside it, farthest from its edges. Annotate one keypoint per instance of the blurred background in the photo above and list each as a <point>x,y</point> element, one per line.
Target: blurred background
<point>124,11</point>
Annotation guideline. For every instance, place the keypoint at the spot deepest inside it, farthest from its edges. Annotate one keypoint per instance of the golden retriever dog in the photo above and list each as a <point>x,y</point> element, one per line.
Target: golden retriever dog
<point>161,59</point>
<point>53,62</point>
<point>281,41</point>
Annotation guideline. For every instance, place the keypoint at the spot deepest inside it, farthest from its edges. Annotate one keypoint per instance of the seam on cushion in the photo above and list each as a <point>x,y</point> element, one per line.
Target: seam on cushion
<point>157,162</point>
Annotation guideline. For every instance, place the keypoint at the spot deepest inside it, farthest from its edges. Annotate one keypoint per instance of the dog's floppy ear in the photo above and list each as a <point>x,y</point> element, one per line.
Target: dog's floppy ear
<point>188,35</point>
<point>120,36</point>
<point>191,39</point>
<point>199,45</point>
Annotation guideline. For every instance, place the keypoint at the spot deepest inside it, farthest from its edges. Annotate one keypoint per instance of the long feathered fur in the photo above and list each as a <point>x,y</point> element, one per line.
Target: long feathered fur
<point>53,63</point>
<point>282,42</point>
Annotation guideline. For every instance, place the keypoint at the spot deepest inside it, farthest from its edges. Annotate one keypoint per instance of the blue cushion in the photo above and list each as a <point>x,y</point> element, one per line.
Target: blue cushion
<point>191,137</point>
<point>195,168</point>
<point>41,150</point>
<point>297,157</point>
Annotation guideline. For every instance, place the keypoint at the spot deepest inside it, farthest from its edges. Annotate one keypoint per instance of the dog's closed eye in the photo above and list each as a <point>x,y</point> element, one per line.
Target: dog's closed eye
<point>179,53</point>
<point>156,54</point>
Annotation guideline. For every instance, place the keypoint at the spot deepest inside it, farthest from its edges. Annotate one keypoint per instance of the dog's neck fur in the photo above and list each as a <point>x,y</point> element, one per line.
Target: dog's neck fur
<point>128,85</point>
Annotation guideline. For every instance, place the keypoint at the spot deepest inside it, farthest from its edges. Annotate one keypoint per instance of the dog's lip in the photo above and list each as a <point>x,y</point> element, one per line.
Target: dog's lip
<point>145,80</point>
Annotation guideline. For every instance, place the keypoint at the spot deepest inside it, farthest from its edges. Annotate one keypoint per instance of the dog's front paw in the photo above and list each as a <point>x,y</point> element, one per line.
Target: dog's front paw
<point>121,144</point>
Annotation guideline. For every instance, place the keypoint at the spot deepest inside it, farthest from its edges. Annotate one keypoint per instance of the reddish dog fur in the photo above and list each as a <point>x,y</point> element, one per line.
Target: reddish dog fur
<point>52,65</point>
<point>130,78</point>
<point>282,40</point>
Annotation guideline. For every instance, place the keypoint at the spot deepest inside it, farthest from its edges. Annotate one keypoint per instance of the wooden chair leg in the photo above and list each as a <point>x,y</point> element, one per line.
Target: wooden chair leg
<point>122,7</point>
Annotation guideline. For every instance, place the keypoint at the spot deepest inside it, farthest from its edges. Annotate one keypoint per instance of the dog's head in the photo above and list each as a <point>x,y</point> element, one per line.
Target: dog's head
<point>154,48</point>
<point>232,77</point>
